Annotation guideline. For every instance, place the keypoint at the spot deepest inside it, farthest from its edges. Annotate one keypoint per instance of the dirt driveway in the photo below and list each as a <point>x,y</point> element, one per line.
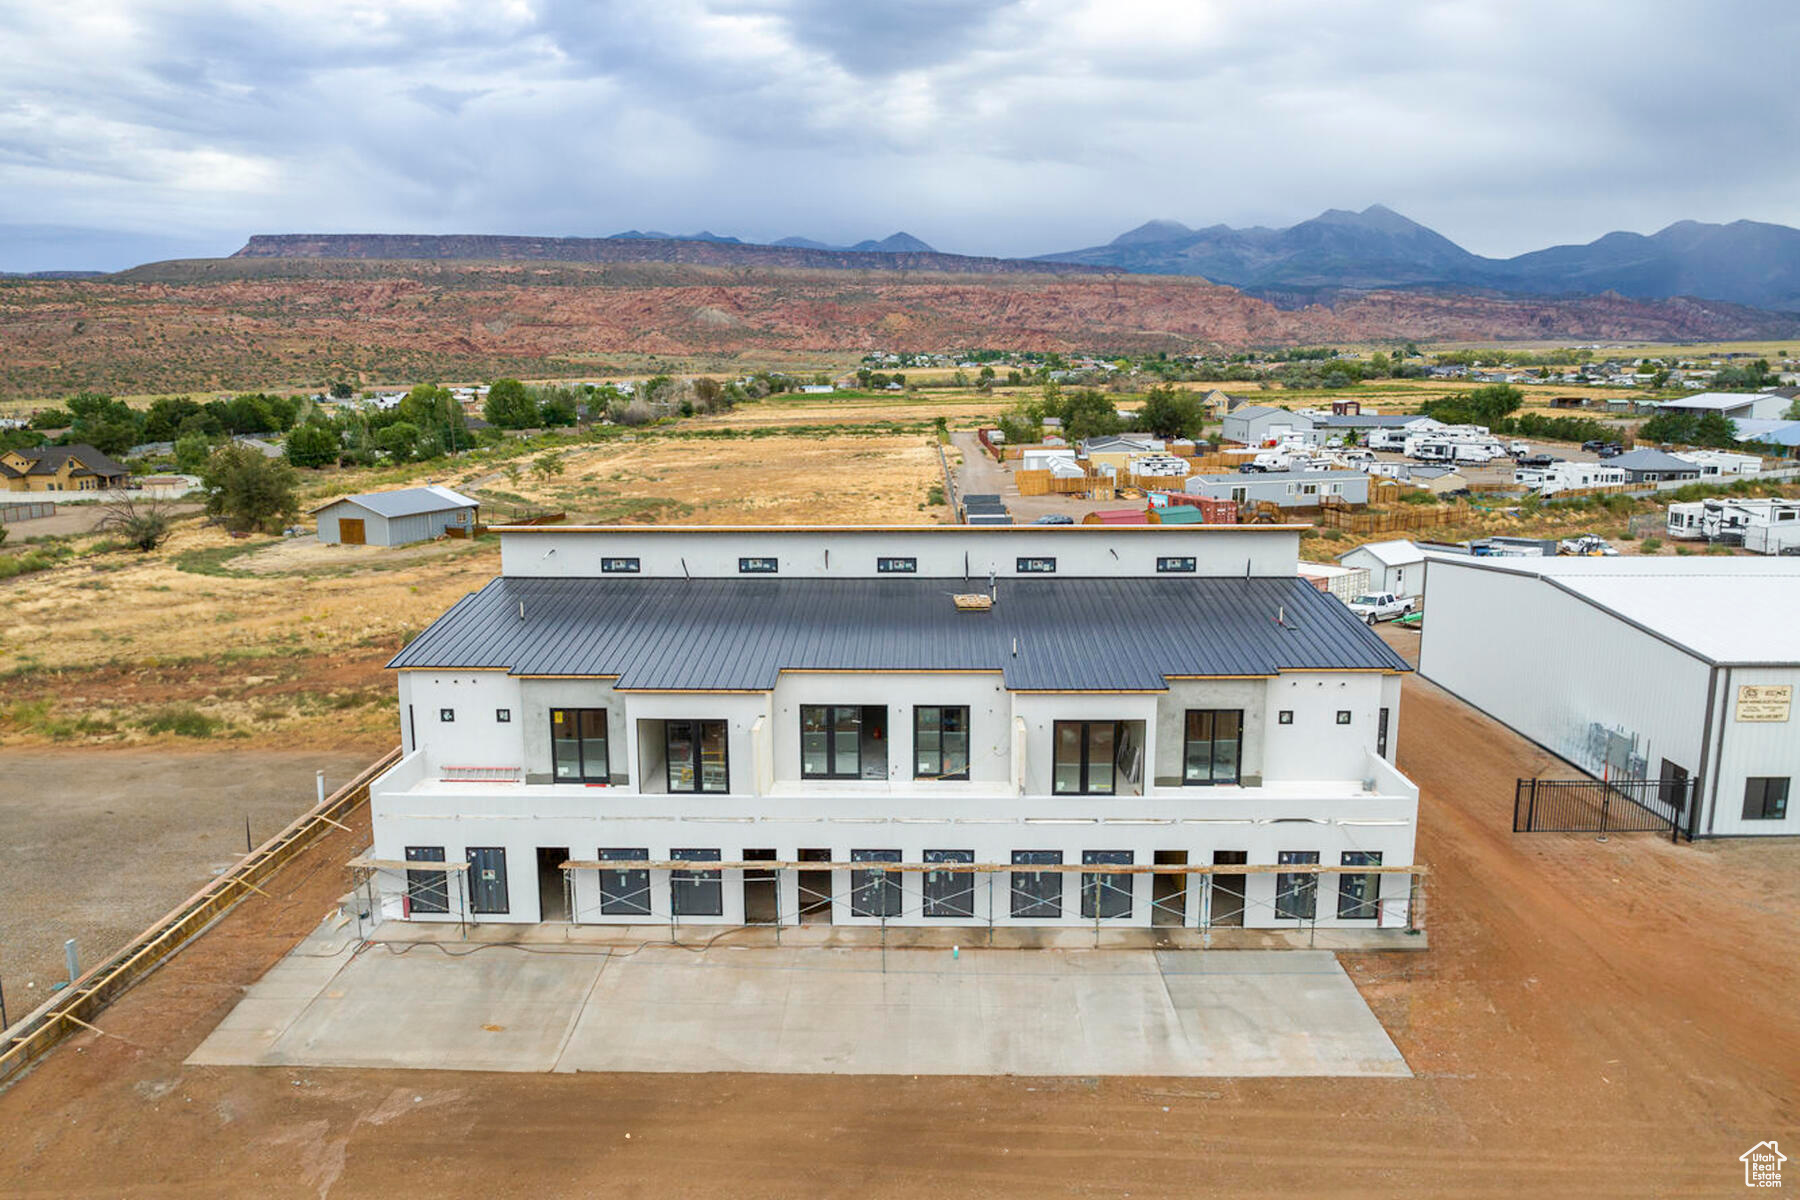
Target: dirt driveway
<point>1593,1019</point>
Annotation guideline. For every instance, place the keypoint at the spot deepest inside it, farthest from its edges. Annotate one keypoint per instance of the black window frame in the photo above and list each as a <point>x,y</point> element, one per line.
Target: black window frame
<point>1032,890</point>
<point>1284,716</point>
<point>948,893</point>
<point>620,566</point>
<point>1177,565</point>
<point>697,738</point>
<point>862,712</point>
<point>446,716</point>
<point>1297,892</point>
<point>941,709</point>
<point>633,897</point>
<point>1343,716</point>
<point>1188,740</point>
<point>699,887</point>
<point>896,566</point>
<point>1034,564</point>
<point>876,893</point>
<point>758,564</point>
<point>422,894</point>
<point>1086,758</point>
<point>503,716</point>
<point>1107,895</point>
<point>583,775</point>
<point>1759,786</point>
<point>1359,892</point>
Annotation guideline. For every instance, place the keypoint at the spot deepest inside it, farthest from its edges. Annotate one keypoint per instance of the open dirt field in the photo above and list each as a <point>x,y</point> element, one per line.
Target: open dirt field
<point>1593,1019</point>
<point>131,834</point>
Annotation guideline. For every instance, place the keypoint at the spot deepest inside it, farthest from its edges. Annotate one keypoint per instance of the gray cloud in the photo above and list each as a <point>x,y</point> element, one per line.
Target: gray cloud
<point>986,126</point>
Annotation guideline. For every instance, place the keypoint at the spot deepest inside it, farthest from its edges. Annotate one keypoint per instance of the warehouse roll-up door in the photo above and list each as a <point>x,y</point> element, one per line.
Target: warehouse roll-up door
<point>487,879</point>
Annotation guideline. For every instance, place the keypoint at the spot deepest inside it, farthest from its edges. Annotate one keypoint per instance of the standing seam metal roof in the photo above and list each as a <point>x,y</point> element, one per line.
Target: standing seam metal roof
<point>740,634</point>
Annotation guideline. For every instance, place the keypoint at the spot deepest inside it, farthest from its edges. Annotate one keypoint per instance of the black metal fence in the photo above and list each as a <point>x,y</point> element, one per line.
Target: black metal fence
<point>1601,806</point>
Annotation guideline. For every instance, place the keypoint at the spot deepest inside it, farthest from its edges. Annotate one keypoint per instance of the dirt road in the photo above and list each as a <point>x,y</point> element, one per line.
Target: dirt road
<point>1593,1019</point>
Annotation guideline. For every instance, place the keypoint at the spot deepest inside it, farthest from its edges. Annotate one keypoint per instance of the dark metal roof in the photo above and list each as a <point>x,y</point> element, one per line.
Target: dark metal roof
<point>739,634</point>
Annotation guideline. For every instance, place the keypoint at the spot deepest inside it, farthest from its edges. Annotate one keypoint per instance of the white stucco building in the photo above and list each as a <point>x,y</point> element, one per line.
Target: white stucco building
<point>1132,697</point>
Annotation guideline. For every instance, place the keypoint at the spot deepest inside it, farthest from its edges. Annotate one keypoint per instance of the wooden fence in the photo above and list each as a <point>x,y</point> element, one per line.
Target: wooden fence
<point>26,512</point>
<point>1387,520</point>
<point>80,1004</point>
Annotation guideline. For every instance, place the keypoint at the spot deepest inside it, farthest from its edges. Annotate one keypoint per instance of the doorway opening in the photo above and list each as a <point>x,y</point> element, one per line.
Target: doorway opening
<point>1228,890</point>
<point>815,889</point>
<point>553,898</point>
<point>1168,893</point>
<point>762,897</point>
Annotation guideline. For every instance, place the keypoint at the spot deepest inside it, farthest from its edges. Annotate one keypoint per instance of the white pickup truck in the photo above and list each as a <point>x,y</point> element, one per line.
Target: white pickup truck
<point>1380,606</point>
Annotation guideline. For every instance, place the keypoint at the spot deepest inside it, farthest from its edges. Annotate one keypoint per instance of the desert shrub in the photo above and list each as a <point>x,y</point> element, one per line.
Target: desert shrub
<point>183,720</point>
<point>1651,545</point>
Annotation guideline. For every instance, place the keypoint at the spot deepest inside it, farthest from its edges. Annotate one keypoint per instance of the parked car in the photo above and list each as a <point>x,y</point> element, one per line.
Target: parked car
<point>1250,468</point>
<point>1380,606</point>
<point>1055,519</point>
<point>1611,450</point>
<point>1585,545</point>
<point>1539,461</point>
<point>1519,449</point>
<point>1592,445</point>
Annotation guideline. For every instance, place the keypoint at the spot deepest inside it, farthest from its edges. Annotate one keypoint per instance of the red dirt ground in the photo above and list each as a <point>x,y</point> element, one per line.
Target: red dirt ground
<point>1595,1019</point>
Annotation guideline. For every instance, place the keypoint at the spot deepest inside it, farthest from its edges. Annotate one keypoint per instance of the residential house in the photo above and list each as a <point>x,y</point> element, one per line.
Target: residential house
<point>1646,465</point>
<point>79,468</point>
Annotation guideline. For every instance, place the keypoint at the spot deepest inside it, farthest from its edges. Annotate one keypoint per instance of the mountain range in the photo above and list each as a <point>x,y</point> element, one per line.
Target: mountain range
<point>1338,252</point>
<point>1745,262</point>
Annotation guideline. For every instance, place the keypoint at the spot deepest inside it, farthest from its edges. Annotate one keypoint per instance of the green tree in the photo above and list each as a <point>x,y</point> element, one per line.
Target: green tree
<point>1171,412</point>
<point>314,444</point>
<point>341,390</point>
<point>399,441</point>
<point>249,490</point>
<point>509,405</point>
<point>20,439</point>
<point>109,426</point>
<point>191,452</point>
<point>546,465</point>
<point>1089,413</point>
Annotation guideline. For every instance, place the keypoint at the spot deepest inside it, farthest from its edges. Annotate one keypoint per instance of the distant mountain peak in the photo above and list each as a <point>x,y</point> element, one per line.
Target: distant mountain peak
<point>1377,217</point>
<point>1153,232</point>
<point>896,243</point>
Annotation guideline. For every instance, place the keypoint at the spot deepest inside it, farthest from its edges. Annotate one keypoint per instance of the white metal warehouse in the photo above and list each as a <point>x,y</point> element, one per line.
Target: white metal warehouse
<point>395,518</point>
<point>1635,668</point>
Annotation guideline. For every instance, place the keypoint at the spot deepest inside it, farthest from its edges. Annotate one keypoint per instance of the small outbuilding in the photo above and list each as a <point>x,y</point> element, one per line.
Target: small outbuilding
<point>395,518</point>
<point>1397,566</point>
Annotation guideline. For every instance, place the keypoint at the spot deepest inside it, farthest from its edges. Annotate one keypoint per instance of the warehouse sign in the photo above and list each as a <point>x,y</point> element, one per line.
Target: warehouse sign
<point>1763,702</point>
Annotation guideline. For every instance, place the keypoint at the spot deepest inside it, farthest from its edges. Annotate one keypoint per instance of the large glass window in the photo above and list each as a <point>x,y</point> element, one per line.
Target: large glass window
<point>940,742</point>
<point>578,744</point>
<point>427,891</point>
<point>1083,762</point>
<point>1037,894</point>
<point>875,893</point>
<point>697,893</point>
<point>694,752</point>
<point>1105,894</point>
<point>949,893</point>
<point>1357,891</point>
<point>1214,746</point>
<point>1296,892</point>
<point>1765,798</point>
<point>625,893</point>
<point>843,741</point>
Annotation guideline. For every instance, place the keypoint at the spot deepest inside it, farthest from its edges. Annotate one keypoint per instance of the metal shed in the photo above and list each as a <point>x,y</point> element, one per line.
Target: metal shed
<point>395,518</point>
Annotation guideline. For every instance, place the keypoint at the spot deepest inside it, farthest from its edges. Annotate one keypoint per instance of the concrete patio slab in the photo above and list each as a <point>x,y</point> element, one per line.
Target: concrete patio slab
<point>806,1010</point>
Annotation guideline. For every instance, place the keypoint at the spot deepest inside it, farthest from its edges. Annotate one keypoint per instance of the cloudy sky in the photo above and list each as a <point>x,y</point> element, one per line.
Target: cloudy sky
<point>139,129</point>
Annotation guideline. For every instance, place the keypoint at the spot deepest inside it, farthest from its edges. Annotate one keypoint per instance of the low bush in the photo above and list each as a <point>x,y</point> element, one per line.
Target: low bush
<point>183,720</point>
